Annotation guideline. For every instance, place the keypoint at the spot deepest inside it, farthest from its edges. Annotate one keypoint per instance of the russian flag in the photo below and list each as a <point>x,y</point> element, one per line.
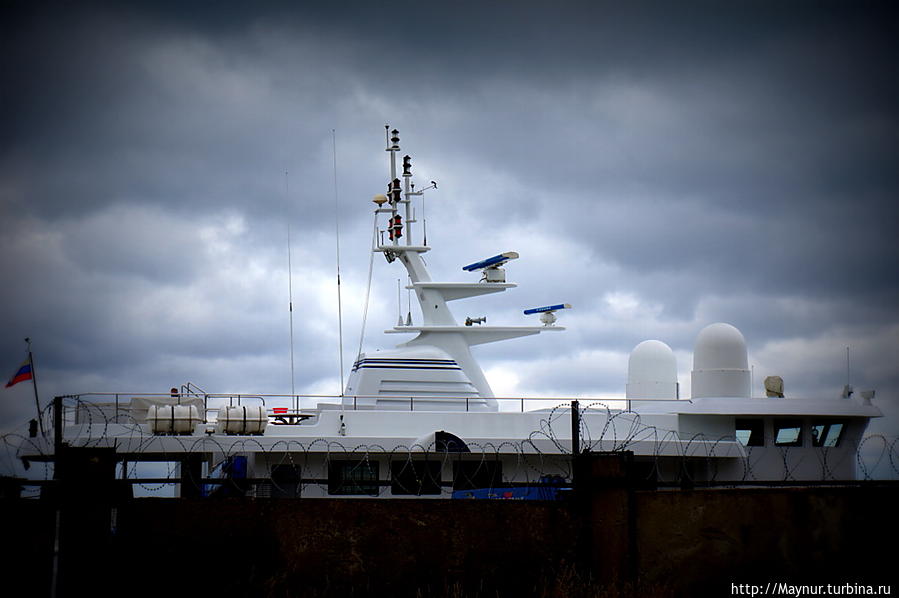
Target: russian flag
<point>23,373</point>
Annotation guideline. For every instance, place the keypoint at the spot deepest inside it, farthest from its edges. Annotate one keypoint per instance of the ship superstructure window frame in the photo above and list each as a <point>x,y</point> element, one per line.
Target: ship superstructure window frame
<point>354,477</point>
<point>415,478</point>
<point>286,481</point>
<point>473,475</point>
<point>787,432</point>
<point>750,432</point>
<point>827,433</point>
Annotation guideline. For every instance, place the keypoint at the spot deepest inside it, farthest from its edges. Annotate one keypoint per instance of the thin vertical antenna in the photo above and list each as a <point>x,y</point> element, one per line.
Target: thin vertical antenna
<point>337,234</point>
<point>409,304</point>
<point>399,305</point>
<point>293,390</point>
<point>848,378</point>
<point>371,263</point>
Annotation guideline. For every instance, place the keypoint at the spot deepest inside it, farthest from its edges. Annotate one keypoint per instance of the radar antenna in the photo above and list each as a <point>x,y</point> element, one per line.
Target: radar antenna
<point>491,266</point>
<point>547,313</point>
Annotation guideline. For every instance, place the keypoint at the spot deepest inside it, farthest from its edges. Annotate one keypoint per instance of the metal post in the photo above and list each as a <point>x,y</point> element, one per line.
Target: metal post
<point>40,419</point>
<point>575,448</point>
<point>575,429</point>
<point>406,190</point>
<point>191,476</point>
<point>57,451</point>
<point>54,574</point>
<point>57,433</point>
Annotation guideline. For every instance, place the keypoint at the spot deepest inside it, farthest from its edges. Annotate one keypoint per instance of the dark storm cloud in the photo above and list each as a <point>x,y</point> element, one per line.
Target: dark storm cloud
<point>685,90</point>
<point>120,106</point>
<point>701,162</point>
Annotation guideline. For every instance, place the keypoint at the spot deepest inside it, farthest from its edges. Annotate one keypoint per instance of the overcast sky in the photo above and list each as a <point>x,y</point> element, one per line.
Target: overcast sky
<point>660,167</point>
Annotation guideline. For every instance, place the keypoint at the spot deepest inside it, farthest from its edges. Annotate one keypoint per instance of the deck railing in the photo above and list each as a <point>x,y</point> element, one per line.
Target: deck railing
<point>115,407</point>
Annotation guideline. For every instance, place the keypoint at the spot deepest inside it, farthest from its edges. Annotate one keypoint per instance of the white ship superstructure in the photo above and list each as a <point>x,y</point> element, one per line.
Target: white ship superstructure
<point>421,419</point>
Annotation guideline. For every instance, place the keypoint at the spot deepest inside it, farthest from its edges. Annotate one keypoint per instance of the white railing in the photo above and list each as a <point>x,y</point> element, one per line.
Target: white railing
<point>115,407</point>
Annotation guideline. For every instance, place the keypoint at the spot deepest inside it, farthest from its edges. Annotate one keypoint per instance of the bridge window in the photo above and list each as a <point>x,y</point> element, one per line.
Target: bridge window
<point>787,432</point>
<point>751,432</point>
<point>827,434</point>
<point>415,478</point>
<point>355,477</point>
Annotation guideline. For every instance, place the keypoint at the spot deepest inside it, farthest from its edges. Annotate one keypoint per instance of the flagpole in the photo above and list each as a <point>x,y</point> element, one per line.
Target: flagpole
<point>37,403</point>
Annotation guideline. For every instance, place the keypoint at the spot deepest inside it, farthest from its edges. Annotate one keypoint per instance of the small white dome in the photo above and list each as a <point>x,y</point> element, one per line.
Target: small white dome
<point>652,371</point>
<point>720,347</point>
<point>720,363</point>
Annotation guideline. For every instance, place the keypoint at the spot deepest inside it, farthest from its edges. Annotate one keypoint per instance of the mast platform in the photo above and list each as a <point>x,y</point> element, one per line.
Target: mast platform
<point>463,290</point>
<point>478,335</point>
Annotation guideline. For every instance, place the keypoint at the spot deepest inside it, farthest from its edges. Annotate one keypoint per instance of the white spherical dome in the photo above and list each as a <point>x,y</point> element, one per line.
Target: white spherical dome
<point>720,363</point>
<point>720,347</point>
<point>652,371</point>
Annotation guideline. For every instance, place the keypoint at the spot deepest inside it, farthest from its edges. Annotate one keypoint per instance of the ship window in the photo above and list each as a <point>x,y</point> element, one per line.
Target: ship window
<point>471,475</point>
<point>357,477</point>
<point>751,432</point>
<point>788,432</point>
<point>415,478</point>
<point>286,481</point>
<point>827,434</point>
<point>234,471</point>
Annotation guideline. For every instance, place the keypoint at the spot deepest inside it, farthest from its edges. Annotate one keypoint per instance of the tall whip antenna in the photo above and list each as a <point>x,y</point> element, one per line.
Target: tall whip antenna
<point>337,229</point>
<point>293,390</point>
<point>371,263</point>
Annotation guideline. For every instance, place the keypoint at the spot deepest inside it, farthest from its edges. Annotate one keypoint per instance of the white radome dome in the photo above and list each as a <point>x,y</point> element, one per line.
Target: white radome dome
<point>720,363</point>
<point>652,371</point>
<point>720,346</point>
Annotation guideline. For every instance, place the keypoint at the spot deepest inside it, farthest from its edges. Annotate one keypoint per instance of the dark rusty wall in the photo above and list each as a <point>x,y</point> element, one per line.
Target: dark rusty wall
<point>704,540</point>
<point>681,542</point>
<point>247,547</point>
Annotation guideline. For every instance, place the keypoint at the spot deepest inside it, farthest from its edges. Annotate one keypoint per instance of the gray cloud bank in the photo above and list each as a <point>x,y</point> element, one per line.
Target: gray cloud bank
<point>660,166</point>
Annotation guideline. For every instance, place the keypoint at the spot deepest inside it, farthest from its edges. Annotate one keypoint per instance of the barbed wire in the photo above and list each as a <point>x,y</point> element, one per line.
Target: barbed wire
<point>666,456</point>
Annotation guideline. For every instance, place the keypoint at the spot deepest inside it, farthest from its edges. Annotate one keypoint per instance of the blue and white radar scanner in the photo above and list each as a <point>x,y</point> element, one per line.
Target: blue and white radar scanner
<point>547,312</point>
<point>491,266</point>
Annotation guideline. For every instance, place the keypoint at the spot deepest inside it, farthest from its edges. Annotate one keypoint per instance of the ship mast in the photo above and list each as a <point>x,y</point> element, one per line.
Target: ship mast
<point>439,327</point>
